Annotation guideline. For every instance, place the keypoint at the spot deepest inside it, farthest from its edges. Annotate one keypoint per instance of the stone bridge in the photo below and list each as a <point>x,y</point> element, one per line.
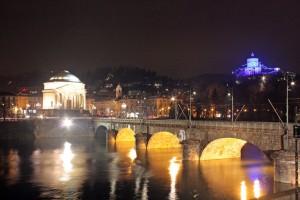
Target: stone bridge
<point>264,135</point>
<point>204,140</point>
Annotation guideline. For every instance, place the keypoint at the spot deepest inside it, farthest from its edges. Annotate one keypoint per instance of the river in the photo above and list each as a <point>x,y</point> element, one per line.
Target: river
<point>92,169</point>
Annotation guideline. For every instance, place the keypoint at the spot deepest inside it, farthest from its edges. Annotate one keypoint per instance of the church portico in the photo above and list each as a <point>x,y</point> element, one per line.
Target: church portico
<point>65,92</point>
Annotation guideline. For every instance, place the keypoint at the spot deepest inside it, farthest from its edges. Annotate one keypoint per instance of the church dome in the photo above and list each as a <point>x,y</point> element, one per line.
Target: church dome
<point>65,76</point>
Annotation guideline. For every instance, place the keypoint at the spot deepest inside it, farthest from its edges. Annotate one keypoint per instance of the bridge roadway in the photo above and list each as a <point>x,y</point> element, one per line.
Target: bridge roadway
<point>204,140</point>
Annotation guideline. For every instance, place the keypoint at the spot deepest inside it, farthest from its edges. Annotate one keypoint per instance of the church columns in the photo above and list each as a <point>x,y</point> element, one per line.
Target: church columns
<point>64,96</point>
<point>84,102</point>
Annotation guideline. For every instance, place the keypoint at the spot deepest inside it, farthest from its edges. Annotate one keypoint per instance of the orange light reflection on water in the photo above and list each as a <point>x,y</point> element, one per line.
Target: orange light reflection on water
<point>132,154</point>
<point>256,189</point>
<point>173,171</point>
<point>243,191</point>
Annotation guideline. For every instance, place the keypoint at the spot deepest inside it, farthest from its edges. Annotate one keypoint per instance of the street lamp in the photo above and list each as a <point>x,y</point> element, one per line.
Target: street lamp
<point>175,101</point>
<point>288,76</point>
<point>190,113</point>
<point>124,107</point>
<point>232,112</point>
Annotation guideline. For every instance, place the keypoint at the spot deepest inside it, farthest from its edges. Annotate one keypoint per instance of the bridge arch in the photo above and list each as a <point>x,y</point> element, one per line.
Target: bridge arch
<point>125,135</point>
<point>223,148</point>
<point>100,131</point>
<point>163,140</point>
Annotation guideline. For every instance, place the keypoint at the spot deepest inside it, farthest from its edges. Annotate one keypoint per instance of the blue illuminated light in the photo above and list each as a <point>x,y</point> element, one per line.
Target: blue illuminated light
<point>254,67</point>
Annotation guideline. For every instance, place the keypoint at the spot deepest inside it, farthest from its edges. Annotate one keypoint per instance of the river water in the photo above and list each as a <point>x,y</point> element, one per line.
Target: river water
<point>92,169</point>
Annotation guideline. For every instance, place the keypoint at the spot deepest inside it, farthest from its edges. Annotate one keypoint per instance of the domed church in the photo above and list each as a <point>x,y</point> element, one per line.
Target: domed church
<point>64,91</point>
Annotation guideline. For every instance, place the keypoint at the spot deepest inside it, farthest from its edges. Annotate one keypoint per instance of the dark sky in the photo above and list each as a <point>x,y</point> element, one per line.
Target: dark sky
<point>176,38</point>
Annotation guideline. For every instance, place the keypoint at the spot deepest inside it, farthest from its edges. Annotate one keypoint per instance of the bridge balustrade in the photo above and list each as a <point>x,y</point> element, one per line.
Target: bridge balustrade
<point>264,127</point>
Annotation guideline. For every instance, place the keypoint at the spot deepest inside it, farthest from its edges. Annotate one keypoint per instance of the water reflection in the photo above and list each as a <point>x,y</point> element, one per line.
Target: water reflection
<point>256,189</point>
<point>113,175</point>
<point>89,169</point>
<point>238,172</point>
<point>56,170</point>
<point>10,166</point>
<point>66,158</point>
<point>243,191</point>
<point>132,154</point>
<point>173,171</point>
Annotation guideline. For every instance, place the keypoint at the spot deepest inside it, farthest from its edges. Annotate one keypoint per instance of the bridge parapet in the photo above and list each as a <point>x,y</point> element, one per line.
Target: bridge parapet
<point>265,127</point>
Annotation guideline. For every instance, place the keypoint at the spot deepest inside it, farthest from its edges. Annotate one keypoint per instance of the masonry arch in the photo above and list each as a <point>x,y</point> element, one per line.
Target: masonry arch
<point>223,148</point>
<point>101,131</point>
<point>163,140</point>
<point>125,135</point>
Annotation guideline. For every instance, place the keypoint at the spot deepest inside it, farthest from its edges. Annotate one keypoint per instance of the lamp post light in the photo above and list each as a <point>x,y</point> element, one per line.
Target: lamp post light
<point>124,108</point>
<point>175,101</point>
<point>190,113</point>
<point>288,76</point>
<point>232,111</point>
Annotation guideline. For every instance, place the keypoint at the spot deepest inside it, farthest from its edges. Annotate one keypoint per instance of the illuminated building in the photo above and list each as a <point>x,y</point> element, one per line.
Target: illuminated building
<point>254,67</point>
<point>7,104</point>
<point>64,91</point>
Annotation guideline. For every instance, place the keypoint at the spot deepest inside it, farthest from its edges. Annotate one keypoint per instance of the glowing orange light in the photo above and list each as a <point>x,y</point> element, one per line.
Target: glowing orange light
<point>132,154</point>
<point>243,191</point>
<point>173,171</point>
<point>256,188</point>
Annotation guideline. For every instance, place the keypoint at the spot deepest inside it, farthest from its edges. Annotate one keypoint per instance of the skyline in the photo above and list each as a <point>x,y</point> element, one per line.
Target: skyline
<point>179,39</point>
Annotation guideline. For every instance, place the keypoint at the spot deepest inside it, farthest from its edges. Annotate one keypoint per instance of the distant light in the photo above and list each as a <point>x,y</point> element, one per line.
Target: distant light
<point>67,122</point>
<point>293,83</point>
<point>123,105</point>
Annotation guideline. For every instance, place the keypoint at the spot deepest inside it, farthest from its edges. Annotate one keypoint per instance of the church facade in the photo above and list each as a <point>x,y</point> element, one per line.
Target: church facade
<point>254,67</point>
<point>64,91</point>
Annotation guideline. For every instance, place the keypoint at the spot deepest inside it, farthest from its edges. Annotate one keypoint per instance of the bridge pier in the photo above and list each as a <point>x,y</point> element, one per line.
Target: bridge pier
<point>111,136</point>
<point>141,141</point>
<point>190,150</point>
<point>284,167</point>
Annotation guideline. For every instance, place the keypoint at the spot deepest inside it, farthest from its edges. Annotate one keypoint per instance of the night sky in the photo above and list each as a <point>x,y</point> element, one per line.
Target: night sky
<point>175,38</point>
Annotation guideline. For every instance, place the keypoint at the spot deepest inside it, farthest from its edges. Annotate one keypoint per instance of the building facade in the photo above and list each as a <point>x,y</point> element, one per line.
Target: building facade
<point>64,91</point>
<point>254,67</point>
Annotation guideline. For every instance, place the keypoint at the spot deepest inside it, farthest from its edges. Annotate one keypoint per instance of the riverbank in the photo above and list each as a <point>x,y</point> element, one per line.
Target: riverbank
<point>19,130</point>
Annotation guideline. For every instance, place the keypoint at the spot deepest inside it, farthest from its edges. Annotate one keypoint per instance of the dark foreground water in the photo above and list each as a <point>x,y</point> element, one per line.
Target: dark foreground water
<point>91,169</point>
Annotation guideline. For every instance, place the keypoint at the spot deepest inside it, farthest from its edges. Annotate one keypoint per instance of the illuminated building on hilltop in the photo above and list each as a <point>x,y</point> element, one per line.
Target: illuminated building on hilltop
<point>64,91</point>
<point>253,68</point>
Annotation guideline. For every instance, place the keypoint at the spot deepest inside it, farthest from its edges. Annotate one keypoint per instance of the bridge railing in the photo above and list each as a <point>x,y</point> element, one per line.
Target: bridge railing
<point>243,125</point>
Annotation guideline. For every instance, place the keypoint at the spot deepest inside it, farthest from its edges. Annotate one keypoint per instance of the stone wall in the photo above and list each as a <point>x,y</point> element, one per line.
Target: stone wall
<point>80,127</point>
<point>23,129</point>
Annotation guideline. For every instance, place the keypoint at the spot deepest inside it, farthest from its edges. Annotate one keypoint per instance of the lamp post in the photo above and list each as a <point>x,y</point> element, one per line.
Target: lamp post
<point>124,108</point>
<point>190,113</point>
<point>175,101</point>
<point>232,112</point>
<point>287,76</point>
